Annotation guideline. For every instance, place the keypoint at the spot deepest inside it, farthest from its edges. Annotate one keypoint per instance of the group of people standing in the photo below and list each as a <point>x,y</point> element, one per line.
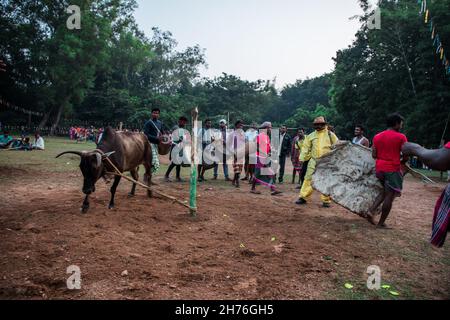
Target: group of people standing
<point>80,134</point>
<point>390,149</point>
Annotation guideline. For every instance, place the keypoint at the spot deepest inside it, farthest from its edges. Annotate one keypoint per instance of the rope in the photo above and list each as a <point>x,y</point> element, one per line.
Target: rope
<point>120,174</point>
<point>445,129</point>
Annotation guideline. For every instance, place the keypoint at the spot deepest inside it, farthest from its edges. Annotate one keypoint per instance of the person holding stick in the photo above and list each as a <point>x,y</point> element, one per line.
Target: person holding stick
<point>437,160</point>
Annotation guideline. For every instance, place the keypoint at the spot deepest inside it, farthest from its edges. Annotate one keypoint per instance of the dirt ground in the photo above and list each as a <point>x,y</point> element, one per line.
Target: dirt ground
<point>241,246</point>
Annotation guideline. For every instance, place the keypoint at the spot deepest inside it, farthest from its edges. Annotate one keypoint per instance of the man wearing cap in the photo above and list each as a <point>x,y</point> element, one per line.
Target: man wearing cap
<point>223,131</point>
<point>264,173</point>
<point>316,145</point>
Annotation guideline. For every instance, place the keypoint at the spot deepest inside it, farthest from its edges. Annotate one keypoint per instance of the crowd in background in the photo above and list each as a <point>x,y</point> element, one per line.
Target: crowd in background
<point>80,134</point>
<point>8,142</point>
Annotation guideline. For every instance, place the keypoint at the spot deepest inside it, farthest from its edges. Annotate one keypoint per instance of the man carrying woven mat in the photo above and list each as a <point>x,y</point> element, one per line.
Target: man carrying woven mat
<point>316,145</point>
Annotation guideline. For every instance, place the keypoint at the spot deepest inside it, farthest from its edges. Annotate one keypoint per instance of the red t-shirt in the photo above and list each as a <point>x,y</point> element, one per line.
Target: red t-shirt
<point>447,145</point>
<point>388,144</point>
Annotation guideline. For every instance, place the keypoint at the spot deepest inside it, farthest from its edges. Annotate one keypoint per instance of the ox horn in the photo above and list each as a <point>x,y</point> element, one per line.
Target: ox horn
<point>99,159</point>
<point>78,153</point>
<point>108,154</point>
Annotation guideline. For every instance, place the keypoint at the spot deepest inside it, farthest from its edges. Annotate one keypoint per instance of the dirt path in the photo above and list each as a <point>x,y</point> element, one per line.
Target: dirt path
<point>241,246</point>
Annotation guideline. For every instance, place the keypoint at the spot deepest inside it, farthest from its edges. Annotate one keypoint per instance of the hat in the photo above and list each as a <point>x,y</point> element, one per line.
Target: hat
<point>320,120</point>
<point>223,121</point>
<point>266,125</point>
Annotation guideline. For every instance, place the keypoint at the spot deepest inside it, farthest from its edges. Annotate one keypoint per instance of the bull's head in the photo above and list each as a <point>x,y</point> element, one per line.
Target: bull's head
<point>92,167</point>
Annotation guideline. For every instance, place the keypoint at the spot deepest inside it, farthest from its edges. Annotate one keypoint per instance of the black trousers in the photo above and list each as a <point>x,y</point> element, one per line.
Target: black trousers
<point>173,165</point>
<point>282,167</point>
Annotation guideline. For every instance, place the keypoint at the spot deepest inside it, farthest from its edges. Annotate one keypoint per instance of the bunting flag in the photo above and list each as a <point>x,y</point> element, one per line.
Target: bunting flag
<point>13,107</point>
<point>437,44</point>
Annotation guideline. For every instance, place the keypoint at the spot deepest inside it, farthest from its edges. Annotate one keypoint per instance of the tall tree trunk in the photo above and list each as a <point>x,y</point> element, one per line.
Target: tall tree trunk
<point>57,118</point>
<point>44,120</point>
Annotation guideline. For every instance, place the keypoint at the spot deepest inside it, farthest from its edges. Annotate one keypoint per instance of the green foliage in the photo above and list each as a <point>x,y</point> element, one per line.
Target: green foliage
<point>395,69</point>
<point>110,72</point>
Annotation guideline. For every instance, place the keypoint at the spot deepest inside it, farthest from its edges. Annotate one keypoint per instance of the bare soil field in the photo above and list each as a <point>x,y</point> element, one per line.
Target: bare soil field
<point>241,246</point>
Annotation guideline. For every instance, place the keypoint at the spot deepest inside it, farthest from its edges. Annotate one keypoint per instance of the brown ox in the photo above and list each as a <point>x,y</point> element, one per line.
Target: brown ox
<point>126,150</point>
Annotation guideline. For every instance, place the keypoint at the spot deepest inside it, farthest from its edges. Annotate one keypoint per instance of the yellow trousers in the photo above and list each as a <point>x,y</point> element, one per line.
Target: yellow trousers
<point>307,190</point>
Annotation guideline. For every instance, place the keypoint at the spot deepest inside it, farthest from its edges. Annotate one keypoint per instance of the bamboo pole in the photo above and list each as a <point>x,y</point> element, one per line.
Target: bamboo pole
<point>193,181</point>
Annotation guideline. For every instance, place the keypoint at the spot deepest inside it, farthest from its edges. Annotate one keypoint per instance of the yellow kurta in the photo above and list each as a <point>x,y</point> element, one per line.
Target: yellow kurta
<point>316,145</point>
<point>299,144</point>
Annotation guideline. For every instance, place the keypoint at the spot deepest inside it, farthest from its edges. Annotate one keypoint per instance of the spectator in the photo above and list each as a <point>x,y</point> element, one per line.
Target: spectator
<point>5,140</point>
<point>38,142</point>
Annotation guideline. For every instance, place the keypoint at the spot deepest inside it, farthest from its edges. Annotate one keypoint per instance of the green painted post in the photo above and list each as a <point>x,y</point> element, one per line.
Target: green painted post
<point>193,181</point>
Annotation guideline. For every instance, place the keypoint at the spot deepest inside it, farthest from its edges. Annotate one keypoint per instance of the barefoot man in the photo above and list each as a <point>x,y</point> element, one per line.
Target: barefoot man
<point>386,150</point>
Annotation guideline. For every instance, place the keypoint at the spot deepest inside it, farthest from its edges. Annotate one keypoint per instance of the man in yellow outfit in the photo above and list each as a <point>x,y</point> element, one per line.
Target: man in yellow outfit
<point>316,145</point>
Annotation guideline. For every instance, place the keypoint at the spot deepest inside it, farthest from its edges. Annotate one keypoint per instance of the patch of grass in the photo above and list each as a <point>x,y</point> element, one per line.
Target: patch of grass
<point>361,292</point>
<point>45,160</point>
<point>432,174</point>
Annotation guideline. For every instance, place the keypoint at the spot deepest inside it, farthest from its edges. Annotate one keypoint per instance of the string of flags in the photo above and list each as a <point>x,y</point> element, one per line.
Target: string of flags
<point>11,106</point>
<point>437,44</point>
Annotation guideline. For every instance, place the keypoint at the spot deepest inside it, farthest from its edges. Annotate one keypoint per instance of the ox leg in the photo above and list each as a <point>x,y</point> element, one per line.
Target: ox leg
<point>135,175</point>
<point>85,206</point>
<point>113,191</point>
<point>148,179</point>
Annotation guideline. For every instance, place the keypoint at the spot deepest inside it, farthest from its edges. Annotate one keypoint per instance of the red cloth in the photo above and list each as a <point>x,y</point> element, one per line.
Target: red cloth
<point>389,144</point>
<point>447,145</point>
<point>263,143</point>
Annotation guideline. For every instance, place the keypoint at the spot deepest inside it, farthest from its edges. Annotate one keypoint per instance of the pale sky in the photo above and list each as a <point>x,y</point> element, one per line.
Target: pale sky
<point>257,39</point>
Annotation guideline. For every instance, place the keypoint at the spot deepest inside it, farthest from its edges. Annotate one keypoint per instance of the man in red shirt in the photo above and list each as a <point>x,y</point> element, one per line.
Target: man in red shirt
<point>437,160</point>
<point>386,149</point>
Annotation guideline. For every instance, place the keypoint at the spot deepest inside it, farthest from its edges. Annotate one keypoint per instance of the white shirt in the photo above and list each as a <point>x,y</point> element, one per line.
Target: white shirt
<point>207,135</point>
<point>39,144</point>
<point>250,135</point>
<point>359,141</point>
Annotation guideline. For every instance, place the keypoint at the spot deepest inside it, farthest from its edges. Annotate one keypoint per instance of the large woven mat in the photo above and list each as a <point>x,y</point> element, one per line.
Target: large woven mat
<point>347,174</point>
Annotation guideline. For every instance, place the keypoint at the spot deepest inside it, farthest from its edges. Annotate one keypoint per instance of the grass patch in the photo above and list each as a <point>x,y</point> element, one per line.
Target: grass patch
<point>45,160</point>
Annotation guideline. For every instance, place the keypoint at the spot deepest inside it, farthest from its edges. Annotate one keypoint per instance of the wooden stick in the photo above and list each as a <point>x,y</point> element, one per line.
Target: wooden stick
<point>415,174</point>
<point>118,173</point>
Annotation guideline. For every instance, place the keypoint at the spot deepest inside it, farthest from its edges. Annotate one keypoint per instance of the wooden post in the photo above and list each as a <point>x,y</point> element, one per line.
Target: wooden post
<point>193,181</point>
